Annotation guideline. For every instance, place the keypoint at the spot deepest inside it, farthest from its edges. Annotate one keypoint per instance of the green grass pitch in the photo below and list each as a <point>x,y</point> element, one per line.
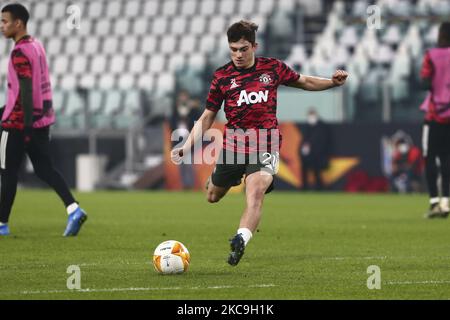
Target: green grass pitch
<point>309,246</point>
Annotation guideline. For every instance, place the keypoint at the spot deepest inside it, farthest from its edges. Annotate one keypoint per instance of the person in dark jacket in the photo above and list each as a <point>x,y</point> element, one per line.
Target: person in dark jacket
<point>314,149</point>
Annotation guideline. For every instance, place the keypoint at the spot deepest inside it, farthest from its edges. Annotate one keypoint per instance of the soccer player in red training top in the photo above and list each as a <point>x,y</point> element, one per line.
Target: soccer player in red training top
<point>248,86</point>
<point>435,74</point>
<point>26,120</point>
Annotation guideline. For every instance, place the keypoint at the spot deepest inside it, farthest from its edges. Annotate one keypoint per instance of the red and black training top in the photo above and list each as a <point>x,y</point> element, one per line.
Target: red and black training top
<point>250,97</point>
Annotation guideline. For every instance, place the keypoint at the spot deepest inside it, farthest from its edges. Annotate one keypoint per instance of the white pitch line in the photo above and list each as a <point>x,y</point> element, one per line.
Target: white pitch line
<point>418,282</point>
<point>88,290</point>
<point>355,258</point>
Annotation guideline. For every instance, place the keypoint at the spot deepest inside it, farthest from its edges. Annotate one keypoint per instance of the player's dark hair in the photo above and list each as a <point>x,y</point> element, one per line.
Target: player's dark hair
<point>444,35</point>
<point>242,30</point>
<point>17,11</point>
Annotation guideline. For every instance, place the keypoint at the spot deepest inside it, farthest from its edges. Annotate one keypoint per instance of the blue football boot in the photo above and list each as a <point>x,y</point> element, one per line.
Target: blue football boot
<point>4,230</point>
<point>74,222</point>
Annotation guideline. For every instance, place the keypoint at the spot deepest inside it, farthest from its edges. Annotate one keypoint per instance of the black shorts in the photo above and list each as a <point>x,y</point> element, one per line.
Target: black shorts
<point>435,139</point>
<point>232,167</point>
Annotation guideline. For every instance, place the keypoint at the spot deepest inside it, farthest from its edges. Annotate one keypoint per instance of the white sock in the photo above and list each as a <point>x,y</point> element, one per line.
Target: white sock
<point>2,224</point>
<point>444,204</point>
<point>72,208</point>
<point>434,200</point>
<point>246,234</point>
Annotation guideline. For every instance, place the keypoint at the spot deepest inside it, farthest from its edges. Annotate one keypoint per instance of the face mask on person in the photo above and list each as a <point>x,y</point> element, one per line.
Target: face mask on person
<point>312,119</point>
<point>183,110</point>
<point>403,148</point>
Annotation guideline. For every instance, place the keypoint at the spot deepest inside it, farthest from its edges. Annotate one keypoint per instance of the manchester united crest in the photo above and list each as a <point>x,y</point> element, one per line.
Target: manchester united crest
<point>265,78</point>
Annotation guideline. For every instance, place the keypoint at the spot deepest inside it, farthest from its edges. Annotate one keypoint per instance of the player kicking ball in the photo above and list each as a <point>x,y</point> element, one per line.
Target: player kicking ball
<point>26,120</point>
<point>248,87</point>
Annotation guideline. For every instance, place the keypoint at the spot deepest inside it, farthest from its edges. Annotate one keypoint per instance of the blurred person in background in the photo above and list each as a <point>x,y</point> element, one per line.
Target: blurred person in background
<point>187,110</point>
<point>26,120</point>
<point>314,149</point>
<point>407,167</point>
<point>435,74</point>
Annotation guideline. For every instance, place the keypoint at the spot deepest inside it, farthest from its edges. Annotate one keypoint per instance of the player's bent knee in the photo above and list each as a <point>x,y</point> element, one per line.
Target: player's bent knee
<point>212,197</point>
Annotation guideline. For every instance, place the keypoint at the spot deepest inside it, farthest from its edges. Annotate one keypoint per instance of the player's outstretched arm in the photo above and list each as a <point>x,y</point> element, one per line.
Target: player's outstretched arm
<point>201,125</point>
<point>311,83</point>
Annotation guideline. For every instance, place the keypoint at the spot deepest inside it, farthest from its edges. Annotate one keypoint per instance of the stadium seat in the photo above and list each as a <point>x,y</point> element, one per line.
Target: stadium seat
<point>207,43</point>
<point>59,10</point>
<point>132,8</point>
<point>86,28</point>
<point>165,84</point>
<point>178,25</point>
<point>113,101</point>
<point>264,7</point>
<point>58,101</point>
<point>169,8</point>
<point>126,81</point>
<point>131,102</point>
<point>47,28</point>
<point>87,81</point>
<point>149,44</point>
<point>176,61</point>
<point>198,25</point>
<point>188,44</point>
<point>79,65</point>
<point>68,81</point>
<point>103,27</point>
<point>62,29</point>
<point>121,27</point>
<point>208,7</point>
<point>151,8</point>
<point>53,46</point>
<point>217,25</point>
<point>432,35</point>
<point>145,82</point>
<point>392,35</point>
<point>188,7</point>
<point>91,46</point>
<point>129,45</point>
<point>106,82</point>
<point>297,56</point>
<point>441,8</point>
<point>359,8</point>
<point>95,9</point>
<point>95,101</point>
<point>113,8</point>
<point>98,64</point>
<point>197,61</point>
<point>117,64</point>
<point>159,26</point>
<point>140,26</point>
<point>60,65</point>
<point>41,11</point>
<point>227,7</point>
<point>413,41</point>
<point>110,45</point>
<point>74,103</point>
<point>73,46</point>
<point>137,64</point>
<point>157,63</point>
<point>168,44</point>
<point>349,36</point>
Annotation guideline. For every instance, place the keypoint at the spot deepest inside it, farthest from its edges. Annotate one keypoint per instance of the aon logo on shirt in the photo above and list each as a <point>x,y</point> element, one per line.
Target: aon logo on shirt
<point>252,97</point>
